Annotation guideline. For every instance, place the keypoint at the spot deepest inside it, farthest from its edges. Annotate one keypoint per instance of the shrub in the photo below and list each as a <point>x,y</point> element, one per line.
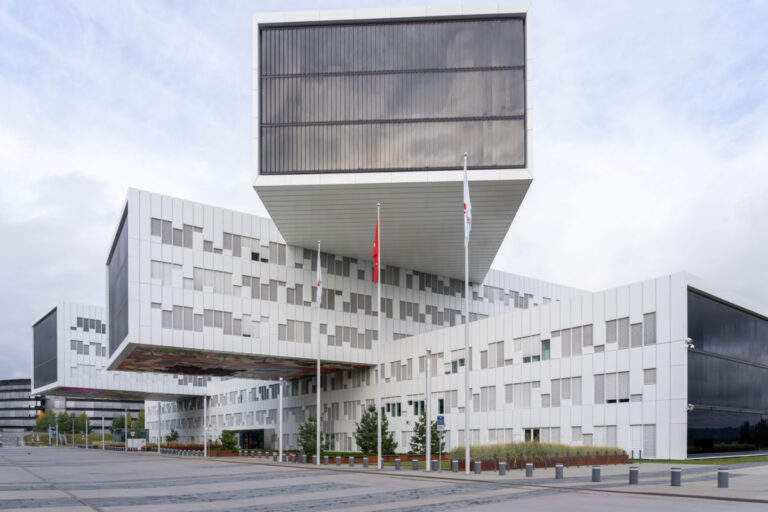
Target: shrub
<point>530,449</point>
<point>173,436</point>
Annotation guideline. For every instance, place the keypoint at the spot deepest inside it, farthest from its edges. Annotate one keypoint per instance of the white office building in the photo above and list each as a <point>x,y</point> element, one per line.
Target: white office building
<point>365,107</point>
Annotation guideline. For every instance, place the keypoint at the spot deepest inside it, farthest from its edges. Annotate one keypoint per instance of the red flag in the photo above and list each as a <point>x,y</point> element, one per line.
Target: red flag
<point>376,253</point>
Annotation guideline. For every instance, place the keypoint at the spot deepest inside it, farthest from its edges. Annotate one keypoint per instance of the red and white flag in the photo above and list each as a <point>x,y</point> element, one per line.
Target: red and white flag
<point>319,297</point>
<point>376,252</point>
<point>467,208</point>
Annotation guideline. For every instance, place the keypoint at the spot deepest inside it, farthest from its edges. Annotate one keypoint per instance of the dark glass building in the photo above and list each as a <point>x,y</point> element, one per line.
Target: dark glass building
<point>727,377</point>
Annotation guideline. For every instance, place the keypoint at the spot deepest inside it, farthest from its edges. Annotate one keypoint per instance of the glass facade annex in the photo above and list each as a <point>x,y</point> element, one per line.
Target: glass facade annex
<point>117,266</point>
<point>392,96</point>
<point>44,335</point>
<point>727,377</point>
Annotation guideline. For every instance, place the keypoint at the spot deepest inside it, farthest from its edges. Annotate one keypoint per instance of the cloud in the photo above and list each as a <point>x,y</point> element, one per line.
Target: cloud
<point>649,142</point>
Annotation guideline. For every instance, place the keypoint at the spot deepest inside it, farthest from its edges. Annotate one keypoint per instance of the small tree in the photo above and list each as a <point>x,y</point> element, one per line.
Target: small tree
<point>64,423</point>
<point>138,423</point>
<point>307,436</point>
<point>419,437</point>
<point>365,436</point>
<point>173,436</point>
<point>45,419</point>
<point>228,440</point>
<point>82,422</point>
<point>118,422</point>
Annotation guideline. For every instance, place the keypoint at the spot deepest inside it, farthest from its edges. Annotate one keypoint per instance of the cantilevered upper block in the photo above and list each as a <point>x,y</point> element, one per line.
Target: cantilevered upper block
<point>199,290</point>
<point>69,357</point>
<point>354,108</point>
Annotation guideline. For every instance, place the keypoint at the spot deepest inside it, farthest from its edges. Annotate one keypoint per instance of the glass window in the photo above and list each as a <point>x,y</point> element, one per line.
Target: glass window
<point>649,328</point>
<point>318,98</point>
<point>545,350</point>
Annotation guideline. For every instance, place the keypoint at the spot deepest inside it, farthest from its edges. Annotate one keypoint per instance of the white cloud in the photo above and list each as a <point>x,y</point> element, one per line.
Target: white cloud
<point>650,128</point>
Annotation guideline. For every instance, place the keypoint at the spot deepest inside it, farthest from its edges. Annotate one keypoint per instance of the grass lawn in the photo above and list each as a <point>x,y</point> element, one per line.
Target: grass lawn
<point>723,461</point>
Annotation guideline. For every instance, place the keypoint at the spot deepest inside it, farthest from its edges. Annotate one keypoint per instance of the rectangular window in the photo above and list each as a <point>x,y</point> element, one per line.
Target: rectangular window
<point>649,440</point>
<point>576,341</point>
<point>649,376</point>
<point>545,350</point>
<point>610,331</point>
<point>483,359</point>
<point>610,388</point>
<point>565,336</point>
<point>599,389</point>
<point>636,335</point>
<point>588,337</point>
<point>167,320</point>
<point>565,385</point>
<point>623,386</point>
<point>623,332</point>
<point>649,328</point>
<point>157,227</point>
<point>508,393</point>
<point>555,391</point>
<point>545,401</point>
<point>178,317</point>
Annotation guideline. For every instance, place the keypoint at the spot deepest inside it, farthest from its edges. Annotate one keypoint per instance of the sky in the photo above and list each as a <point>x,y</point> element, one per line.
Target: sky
<point>649,143</point>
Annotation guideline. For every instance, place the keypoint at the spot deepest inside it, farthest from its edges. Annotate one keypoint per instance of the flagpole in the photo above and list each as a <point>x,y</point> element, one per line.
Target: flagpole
<point>317,411</point>
<point>467,388</point>
<point>380,341</point>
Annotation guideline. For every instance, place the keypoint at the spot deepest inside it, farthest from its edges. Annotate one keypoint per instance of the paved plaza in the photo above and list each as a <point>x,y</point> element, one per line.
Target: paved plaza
<point>67,479</point>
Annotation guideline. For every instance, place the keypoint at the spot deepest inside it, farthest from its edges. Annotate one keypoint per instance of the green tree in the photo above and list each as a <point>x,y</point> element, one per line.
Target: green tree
<point>228,440</point>
<point>64,423</point>
<point>45,419</point>
<point>419,437</point>
<point>307,436</point>
<point>365,436</point>
<point>173,436</point>
<point>138,423</point>
<point>81,422</point>
<point>118,422</point>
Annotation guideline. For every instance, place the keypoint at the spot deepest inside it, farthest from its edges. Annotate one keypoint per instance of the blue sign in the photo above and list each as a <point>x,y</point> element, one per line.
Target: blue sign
<point>53,432</point>
<point>440,420</point>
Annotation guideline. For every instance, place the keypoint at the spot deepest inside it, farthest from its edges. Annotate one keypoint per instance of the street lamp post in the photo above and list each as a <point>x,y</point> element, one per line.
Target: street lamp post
<point>428,403</point>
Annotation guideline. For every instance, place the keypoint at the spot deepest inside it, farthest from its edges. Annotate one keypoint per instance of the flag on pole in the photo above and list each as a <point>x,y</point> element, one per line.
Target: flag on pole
<point>319,297</point>
<point>467,207</point>
<point>376,252</point>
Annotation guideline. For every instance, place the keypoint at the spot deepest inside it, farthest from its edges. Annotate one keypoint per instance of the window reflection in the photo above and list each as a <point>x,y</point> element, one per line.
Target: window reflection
<point>727,377</point>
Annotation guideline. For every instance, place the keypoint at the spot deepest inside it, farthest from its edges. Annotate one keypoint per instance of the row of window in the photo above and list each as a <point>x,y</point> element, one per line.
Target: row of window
<point>83,348</point>
<point>90,324</point>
